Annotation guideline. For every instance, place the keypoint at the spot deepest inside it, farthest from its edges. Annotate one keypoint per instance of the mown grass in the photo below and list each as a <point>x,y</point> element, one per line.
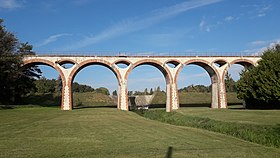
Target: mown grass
<point>108,132</point>
<point>88,99</point>
<point>194,99</point>
<point>235,114</point>
<point>268,135</point>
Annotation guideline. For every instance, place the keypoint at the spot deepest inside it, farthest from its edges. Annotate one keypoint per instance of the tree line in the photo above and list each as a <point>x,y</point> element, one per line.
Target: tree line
<point>44,85</point>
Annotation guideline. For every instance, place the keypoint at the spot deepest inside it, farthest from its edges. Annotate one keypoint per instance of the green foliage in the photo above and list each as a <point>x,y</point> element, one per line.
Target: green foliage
<point>262,134</point>
<point>115,93</point>
<point>103,90</point>
<point>151,91</point>
<point>196,88</point>
<point>14,81</point>
<point>230,83</point>
<point>44,85</point>
<point>76,87</point>
<point>260,86</point>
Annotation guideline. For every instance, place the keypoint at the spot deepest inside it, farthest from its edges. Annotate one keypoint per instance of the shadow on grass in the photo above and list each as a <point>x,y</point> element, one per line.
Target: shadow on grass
<point>44,100</point>
<point>169,152</point>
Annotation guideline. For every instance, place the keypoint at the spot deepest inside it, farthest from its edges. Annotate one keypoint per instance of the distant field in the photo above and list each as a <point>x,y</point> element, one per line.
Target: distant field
<point>108,132</point>
<point>90,99</point>
<point>261,117</point>
<point>195,99</point>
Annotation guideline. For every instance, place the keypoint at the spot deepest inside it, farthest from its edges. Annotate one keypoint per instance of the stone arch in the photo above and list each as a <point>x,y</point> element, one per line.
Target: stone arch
<point>220,62</point>
<point>31,62</point>
<point>243,62</point>
<point>152,62</point>
<point>89,62</point>
<point>65,61</point>
<point>213,74</point>
<point>122,61</point>
<point>166,73</point>
<point>202,63</point>
<point>175,62</point>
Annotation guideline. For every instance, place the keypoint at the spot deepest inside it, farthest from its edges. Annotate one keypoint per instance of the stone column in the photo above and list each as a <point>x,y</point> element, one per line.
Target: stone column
<point>222,102</point>
<point>172,101</point>
<point>215,95</point>
<point>123,96</point>
<point>222,95</point>
<point>174,96</point>
<point>67,95</point>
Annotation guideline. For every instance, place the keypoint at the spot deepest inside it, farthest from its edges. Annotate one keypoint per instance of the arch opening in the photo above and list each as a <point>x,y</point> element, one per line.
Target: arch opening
<point>95,85</point>
<point>47,90</point>
<point>220,63</point>
<point>230,78</point>
<point>67,64</point>
<point>172,63</point>
<point>147,87</point>
<point>201,89</point>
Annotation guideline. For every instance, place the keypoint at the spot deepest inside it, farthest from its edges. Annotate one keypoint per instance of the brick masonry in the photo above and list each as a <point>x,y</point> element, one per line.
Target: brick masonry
<point>216,67</point>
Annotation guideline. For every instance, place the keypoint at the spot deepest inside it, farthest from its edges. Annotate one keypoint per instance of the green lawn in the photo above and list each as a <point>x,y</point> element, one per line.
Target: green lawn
<point>262,117</point>
<point>107,132</point>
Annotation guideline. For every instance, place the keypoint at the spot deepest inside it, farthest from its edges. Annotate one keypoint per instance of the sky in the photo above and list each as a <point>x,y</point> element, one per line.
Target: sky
<point>143,26</point>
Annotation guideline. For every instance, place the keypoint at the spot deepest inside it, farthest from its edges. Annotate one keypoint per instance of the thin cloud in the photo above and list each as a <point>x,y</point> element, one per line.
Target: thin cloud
<point>136,24</point>
<point>10,4</point>
<point>261,46</point>
<point>257,43</point>
<point>51,39</point>
<point>263,10</point>
<point>204,26</point>
<point>229,18</point>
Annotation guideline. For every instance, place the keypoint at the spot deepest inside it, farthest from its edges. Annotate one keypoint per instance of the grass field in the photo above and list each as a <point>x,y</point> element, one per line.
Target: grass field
<point>97,99</point>
<point>107,132</point>
<point>194,99</point>
<point>260,117</point>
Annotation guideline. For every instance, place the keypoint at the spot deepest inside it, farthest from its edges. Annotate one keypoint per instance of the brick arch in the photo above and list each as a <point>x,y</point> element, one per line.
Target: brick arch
<point>173,61</point>
<point>124,61</point>
<point>212,71</point>
<point>65,61</point>
<point>94,62</point>
<point>31,62</point>
<point>167,75</point>
<point>151,62</point>
<point>218,61</point>
<point>243,62</point>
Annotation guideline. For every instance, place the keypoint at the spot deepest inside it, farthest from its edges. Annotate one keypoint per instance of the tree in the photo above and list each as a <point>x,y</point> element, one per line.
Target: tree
<point>115,93</point>
<point>151,91</point>
<point>146,91</point>
<point>260,86</point>
<point>230,83</point>
<point>158,89</point>
<point>103,90</point>
<point>14,81</point>
<point>58,85</point>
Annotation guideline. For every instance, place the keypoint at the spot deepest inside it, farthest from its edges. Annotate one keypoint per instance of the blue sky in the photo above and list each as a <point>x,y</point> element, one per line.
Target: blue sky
<point>80,26</point>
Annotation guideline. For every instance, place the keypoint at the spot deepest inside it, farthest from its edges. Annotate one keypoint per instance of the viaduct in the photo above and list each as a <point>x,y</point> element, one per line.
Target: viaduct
<point>170,66</point>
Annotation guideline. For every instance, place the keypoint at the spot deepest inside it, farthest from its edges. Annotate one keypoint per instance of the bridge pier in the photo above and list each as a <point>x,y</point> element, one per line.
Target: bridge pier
<point>67,94</point>
<point>123,96</point>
